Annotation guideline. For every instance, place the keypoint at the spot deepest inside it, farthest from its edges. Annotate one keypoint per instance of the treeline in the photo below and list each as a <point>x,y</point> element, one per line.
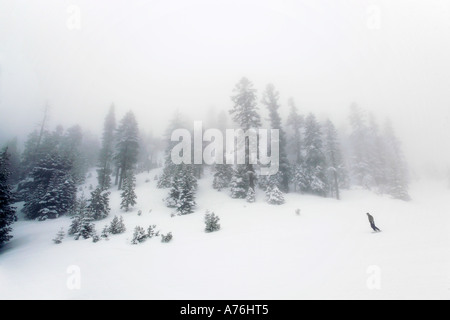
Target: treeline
<point>47,174</point>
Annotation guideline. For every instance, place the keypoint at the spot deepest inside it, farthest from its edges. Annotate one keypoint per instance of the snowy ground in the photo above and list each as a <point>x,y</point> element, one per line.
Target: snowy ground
<point>262,251</point>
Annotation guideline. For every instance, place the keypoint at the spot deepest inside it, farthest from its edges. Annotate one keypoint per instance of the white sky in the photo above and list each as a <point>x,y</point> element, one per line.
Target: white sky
<point>156,56</point>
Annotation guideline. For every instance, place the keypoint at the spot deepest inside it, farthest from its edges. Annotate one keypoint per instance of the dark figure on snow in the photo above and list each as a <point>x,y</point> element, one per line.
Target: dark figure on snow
<point>372,223</point>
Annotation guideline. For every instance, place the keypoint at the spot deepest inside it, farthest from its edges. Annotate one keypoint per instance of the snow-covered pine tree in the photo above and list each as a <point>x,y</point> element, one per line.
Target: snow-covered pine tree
<point>127,147</point>
<point>170,169</point>
<point>86,227</point>
<point>128,195</point>
<point>77,213</point>
<point>59,236</point>
<point>151,231</point>
<point>337,174</point>
<point>105,233</point>
<point>99,203</point>
<point>211,222</point>
<point>271,101</point>
<point>182,192</point>
<point>117,226</point>
<point>139,235</point>
<point>376,150</point>
<point>295,123</point>
<point>166,238</point>
<point>245,113</point>
<point>69,149</point>
<point>359,141</point>
<point>7,211</point>
<point>274,195</point>
<point>107,151</point>
<point>222,176</point>
<point>239,182</point>
<point>53,191</point>
<point>251,196</point>
<point>314,160</point>
<point>397,169</point>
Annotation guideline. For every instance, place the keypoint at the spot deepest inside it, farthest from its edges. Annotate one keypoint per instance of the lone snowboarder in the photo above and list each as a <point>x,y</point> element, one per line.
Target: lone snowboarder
<point>372,223</point>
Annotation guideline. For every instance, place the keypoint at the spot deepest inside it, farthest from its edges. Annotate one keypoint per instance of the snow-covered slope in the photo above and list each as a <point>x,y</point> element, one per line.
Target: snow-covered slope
<point>261,252</point>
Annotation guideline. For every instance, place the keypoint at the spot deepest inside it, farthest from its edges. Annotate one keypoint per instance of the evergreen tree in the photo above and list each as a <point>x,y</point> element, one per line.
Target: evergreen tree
<point>239,183</point>
<point>166,238</point>
<point>376,150</point>
<point>397,169</point>
<point>128,195</point>
<point>14,162</point>
<point>251,196</point>
<point>274,195</point>
<point>107,151</point>
<point>117,226</point>
<point>70,148</point>
<point>245,114</point>
<point>295,123</point>
<point>7,211</point>
<point>170,169</point>
<point>78,212</point>
<point>211,222</point>
<point>53,191</point>
<point>99,204</point>
<point>105,233</point>
<point>86,228</point>
<point>222,176</point>
<point>182,192</point>
<point>127,147</point>
<point>151,231</point>
<point>335,165</point>
<point>270,99</point>
<point>313,171</point>
<point>139,235</point>
<point>59,236</point>
<point>359,140</point>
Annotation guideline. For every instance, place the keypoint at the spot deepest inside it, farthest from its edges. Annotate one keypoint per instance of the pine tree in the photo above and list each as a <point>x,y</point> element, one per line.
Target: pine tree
<point>105,233</point>
<point>314,161</point>
<point>59,236</point>
<point>117,226</point>
<point>222,176</point>
<point>182,192</point>
<point>128,195</point>
<point>211,222</point>
<point>87,227</point>
<point>359,140</point>
<point>251,196</point>
<point>7,211</point>
<point>245,114</point>
<point>82,223</point>
<point>335,165</point>
<point>397,184</point>
<point>295,122</point>
<point>107,151</point>
<point>69,148</point>
<point>79,211</point>
<point>271,100</point>
<point>127,147</point>
<point>274,195</point>
<point>239,183</point>
<point>99,204</point>
<point>170,169</point>
<point>53,191</point>
<point>166,238</point>
<point>139,235</point>
<point>151,231</point>
<point>376,149</point>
